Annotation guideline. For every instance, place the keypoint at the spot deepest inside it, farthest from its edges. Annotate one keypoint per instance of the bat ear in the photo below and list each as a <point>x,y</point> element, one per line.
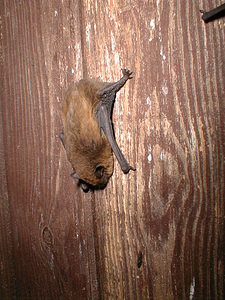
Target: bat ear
<point>99,171</point>
<point>75,175</point>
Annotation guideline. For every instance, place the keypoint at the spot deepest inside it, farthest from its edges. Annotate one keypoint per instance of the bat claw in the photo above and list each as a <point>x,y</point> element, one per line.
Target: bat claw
<point>127,169</point>
<point>127,73</point>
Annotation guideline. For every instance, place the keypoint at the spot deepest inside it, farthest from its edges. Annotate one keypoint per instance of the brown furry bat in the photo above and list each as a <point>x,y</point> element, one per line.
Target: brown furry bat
<point>88,135</point>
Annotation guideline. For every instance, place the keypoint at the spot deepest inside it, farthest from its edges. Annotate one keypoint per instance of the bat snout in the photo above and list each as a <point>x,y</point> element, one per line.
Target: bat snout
<point>98,184</point>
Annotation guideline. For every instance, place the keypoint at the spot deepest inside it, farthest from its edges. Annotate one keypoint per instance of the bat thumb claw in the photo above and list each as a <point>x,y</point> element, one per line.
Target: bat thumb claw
<point>127,169</point>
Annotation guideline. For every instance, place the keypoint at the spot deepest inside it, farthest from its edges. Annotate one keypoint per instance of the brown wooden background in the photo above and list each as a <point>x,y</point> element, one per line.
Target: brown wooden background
<point>57,242</point>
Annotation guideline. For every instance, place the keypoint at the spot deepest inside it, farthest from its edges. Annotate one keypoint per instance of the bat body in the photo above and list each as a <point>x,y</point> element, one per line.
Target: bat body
<point>88,135</point>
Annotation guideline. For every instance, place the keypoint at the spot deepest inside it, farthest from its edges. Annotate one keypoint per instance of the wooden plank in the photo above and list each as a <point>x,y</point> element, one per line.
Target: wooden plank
<point>7,274</point>
<point>169,123</point>
<point>52,225</point>
<point>156,233</point>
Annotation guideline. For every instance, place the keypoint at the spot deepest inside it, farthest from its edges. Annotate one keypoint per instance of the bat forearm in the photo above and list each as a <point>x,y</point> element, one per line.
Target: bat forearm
<point>103,115</point>
<point>106,125</point>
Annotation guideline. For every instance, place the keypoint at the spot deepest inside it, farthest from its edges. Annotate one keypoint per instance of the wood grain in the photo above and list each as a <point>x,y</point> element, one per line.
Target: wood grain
<point>7,275</point>
<point>168,122</point>
<point>157,233</point>
<point>53,244</point>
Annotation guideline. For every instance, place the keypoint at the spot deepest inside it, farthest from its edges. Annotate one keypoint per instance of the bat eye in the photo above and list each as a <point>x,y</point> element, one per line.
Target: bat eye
<point>99,171</point>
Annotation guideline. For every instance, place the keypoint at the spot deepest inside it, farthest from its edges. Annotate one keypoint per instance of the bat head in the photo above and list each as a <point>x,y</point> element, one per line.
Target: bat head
<point>93,169</point>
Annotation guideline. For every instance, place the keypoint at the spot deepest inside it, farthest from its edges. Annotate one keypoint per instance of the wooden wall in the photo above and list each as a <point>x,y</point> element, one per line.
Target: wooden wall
<point>157,233</point>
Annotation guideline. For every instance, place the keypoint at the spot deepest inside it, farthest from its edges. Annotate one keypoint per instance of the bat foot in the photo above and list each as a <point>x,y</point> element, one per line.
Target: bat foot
<point>127,73</point>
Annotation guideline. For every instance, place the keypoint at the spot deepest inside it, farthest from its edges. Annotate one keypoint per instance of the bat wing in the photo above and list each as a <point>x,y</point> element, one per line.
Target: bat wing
<point>104,112</point>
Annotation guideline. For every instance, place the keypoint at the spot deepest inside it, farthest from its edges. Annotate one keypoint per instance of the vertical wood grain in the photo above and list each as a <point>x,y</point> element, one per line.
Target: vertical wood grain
<point>157,233</point>
<point>7,273</point>
<point>168,121</point>
<point>53,244</point>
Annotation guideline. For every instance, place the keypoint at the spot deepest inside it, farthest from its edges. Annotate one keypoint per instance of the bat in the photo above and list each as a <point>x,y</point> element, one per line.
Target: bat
<point>88,135</point>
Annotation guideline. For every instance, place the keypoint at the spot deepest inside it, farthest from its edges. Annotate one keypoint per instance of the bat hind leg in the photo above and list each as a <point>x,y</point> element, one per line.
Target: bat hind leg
<point>113,88</point>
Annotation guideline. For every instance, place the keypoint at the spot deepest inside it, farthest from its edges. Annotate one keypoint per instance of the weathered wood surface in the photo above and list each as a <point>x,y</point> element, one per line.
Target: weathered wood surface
<point>59,243</point>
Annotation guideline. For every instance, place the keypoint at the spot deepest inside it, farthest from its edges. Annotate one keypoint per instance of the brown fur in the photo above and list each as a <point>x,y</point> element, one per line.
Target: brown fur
<point>85,145</point>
